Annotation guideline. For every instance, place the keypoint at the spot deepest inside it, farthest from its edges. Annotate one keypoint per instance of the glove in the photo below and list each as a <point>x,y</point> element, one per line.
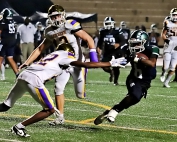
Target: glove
<point>119,62</point>
<point>23,66</point>
<point>133,57</point>
<point>136,59</point>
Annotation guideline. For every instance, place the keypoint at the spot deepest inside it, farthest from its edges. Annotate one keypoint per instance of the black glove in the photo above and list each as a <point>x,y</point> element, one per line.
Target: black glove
<point>23,66</point>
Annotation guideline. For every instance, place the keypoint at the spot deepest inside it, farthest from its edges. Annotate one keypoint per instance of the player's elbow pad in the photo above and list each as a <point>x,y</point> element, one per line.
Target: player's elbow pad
<point>93,55</point>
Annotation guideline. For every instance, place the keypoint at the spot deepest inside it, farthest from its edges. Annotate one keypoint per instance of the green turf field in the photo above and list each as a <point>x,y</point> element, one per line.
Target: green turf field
<point>154,119</point>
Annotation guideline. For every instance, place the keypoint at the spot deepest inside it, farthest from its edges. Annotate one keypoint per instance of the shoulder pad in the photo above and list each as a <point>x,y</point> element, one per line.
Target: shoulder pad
<point>100,29</point>
<point>72,24</point>
<point>167,18</point>
<point>46,30</point>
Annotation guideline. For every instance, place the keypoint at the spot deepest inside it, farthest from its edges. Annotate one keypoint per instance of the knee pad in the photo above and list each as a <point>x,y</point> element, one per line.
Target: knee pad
<point>59,89</point>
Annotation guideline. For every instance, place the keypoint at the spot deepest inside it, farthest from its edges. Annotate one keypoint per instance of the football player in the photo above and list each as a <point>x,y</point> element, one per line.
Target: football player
<point>110,43</point>
<point>32,79</point>
<point>65,31</point>
<point>154,36</point>
<point>169,35</point>
<point>141,74</point>
<point>8,39</point>
<point>125,30</point>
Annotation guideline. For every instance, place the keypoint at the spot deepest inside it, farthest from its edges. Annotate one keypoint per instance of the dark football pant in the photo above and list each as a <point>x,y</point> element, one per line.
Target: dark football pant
<point>116,74</point>
<point>136,90</point>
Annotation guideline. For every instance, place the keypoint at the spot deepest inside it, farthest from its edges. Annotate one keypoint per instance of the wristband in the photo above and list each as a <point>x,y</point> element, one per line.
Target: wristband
<point>93,55</point>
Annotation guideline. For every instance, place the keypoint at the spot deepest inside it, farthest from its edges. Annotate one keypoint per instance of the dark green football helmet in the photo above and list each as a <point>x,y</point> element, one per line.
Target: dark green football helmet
<point>66,47</point>
<point>56,14</point>
<point>138,41</point>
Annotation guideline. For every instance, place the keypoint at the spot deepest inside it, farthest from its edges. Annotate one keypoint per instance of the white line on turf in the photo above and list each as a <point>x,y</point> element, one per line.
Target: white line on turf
<point>9,140</point>
<point>124,114</point>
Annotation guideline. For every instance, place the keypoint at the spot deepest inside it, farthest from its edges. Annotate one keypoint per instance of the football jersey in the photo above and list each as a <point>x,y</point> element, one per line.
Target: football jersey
<point>171,28</point>
<point>153,38</point>
<point>65,34</point>
<point>126,34</point>
<point>51,65</point>
<point>142,71</point>
<point>110,37</point>
<point>8,32</point>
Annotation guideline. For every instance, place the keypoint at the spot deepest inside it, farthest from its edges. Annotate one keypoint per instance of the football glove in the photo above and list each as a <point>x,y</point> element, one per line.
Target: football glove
<point>133,57</point>
<point>23,66</point>
<point>119,62</point>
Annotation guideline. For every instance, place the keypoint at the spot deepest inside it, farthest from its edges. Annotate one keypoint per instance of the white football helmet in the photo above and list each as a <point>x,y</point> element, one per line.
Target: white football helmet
<point>48,22</point>
<point>39,25</point>
<point>109,23</point>
<point>123,25</point>
<point>153,27</point>
<point>56,14</point>
<point>173,14</point>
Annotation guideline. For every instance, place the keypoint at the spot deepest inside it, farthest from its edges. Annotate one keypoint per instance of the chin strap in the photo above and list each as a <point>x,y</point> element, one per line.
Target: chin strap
<point>93,55</point>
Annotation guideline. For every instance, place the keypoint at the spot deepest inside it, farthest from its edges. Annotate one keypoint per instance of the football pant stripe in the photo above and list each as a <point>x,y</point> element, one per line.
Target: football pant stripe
<point>44,97</point>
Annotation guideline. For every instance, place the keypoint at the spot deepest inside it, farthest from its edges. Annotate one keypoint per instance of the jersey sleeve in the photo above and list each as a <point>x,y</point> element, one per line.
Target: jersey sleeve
<point>155,51</point>
<point>73,25</point>
<point>67,60</point>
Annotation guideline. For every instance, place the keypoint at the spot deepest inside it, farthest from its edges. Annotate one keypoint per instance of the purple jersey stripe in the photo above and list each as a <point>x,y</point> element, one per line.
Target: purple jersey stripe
<point>70,54</point>
<point>73,22</point>
<point>45,98</point>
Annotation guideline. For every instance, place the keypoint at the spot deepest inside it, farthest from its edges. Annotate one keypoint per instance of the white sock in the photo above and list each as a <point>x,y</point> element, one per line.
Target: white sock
<point>168,78</point>
<point>62,115</point>
<point>2,70</point>
<point>19,125</point>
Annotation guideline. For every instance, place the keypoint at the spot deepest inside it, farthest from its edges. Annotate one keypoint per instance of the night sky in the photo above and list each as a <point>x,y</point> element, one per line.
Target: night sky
<point>26,7</point>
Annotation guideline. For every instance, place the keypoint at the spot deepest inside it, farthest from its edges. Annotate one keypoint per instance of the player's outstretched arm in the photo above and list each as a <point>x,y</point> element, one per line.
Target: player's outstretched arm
<point>90,64</point>
<point>119,62</point>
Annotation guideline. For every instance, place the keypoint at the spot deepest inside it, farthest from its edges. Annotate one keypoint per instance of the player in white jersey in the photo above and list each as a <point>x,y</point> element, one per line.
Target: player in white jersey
<point>169,35</point>
<point>32,79</point>
<point>62,30</point>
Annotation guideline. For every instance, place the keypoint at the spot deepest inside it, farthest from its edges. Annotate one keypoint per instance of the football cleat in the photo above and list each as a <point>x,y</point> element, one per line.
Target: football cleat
<point>166,85</point>
<point>162,78</point>
<point>58,121</point>
<point>3,78</point>
<point>112,115</point>
<point>101,118</point>
<point>19,131</point>
<point>115,84</point>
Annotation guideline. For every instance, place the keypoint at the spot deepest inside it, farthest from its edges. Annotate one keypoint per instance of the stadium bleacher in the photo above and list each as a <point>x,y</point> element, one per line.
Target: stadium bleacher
<point>134,12</point>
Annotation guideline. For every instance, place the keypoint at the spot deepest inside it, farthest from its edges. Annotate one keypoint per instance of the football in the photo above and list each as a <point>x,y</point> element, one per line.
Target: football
<point>141,55</point>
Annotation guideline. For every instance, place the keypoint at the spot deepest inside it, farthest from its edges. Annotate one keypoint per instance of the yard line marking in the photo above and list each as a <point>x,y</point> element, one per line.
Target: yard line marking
<point>105,125</point>
<point>100,106</point>
<point>9,140</point>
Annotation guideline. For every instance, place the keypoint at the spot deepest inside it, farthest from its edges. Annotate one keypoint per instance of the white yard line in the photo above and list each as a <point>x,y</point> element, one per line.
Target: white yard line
<point>9,140</point>
<point>124,114</point>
